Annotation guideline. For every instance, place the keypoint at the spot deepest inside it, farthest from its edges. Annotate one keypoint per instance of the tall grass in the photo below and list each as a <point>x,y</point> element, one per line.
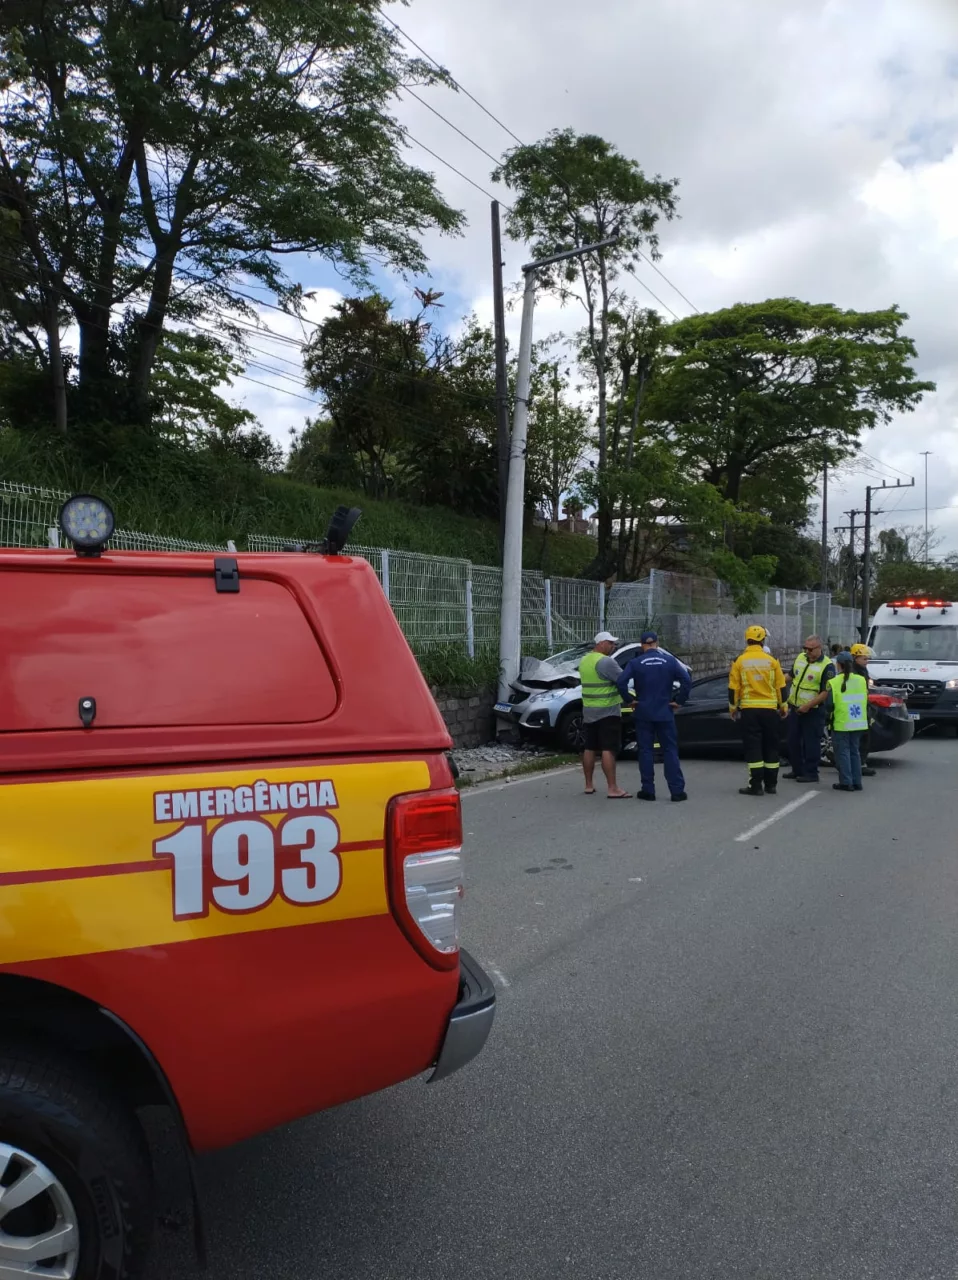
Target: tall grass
<point>209,498</point>
<point>449,668</point>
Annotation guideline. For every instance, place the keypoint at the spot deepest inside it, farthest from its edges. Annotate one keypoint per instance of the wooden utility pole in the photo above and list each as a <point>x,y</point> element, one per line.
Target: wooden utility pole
<point>852,574</point>
<point>867,557</point>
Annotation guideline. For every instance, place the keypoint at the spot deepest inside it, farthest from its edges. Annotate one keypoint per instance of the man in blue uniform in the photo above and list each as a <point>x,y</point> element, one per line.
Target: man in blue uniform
<point>653,675</point>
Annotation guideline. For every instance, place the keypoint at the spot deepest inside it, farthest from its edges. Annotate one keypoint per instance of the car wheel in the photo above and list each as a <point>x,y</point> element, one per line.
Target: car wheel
<point>76,1198</point>
<point>569,731</point>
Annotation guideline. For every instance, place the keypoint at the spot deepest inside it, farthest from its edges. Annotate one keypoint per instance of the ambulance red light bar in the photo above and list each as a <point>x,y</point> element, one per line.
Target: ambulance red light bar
<point>917,603</point>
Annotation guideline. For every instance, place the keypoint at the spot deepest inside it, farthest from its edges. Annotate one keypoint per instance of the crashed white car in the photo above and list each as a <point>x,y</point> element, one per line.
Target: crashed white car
<point>546,700</point>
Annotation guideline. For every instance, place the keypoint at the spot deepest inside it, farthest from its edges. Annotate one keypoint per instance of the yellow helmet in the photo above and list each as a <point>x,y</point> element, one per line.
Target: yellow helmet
<point>758,634</point>
<point>860,651</point>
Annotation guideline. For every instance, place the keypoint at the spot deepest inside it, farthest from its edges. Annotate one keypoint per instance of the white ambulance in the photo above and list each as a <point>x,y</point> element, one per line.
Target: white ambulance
<point>915,643</point>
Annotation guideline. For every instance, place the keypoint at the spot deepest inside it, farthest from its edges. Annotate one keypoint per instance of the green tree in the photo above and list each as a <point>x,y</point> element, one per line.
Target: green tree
<point>900,580</point>
<point>570,190</point>
<point>411,406</point>
<point>771,389</point>
<point>906,544</point>
<point>559,437</point>
<point>664,517</point>
<point>314,457</point>
<point>154,154</point>
<point>371,370</point>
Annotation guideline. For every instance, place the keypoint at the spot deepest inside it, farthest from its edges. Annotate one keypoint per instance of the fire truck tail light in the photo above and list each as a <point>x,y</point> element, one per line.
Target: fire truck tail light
<point>425,872</point>
<point>433,884</point>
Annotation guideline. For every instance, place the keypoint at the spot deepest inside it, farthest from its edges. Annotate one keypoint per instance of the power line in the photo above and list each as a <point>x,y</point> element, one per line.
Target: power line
<point>515,137</point>
<point>887,465</point>
<point>654,295</point>
<point>461,87</point>
<point>270,334</point>
<point>908,511</point>
<point>465,177</point>
<point>408,416</point>
<point>282,391</point>
<point>495,159</point>
<point>669,282</point>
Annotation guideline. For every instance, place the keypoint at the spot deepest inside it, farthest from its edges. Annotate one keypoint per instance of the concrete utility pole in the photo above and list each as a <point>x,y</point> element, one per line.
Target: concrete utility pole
<point>510,623</point>
<point>926,454</point>
<point>867,559</point>
<point>825,525</point>
<point>502,381</point>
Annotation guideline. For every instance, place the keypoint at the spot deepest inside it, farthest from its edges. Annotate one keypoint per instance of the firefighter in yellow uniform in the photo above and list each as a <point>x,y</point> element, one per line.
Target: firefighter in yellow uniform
<point>756,685</point>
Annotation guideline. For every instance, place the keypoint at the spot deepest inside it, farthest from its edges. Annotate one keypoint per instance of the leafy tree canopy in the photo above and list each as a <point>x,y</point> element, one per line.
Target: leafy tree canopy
<point>773,388</point>
<point>155,153</point>
<point>407,407</point>
<point>577,189</point>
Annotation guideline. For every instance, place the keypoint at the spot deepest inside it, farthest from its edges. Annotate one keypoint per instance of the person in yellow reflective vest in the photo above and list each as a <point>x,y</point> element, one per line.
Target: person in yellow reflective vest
<point>601,714</point>
<point>847,700</point>
<point>811,672</point>
<point>756,700</point>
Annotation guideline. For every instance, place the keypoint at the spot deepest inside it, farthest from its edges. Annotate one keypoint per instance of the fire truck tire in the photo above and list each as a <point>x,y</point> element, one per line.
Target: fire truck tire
<point>74,1170</point>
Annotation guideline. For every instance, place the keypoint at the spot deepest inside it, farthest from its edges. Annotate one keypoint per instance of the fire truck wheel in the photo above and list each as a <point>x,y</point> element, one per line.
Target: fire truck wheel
<point>75,1175</point>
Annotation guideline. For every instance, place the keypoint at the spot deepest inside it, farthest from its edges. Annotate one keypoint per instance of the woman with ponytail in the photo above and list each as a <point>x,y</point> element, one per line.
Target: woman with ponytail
<point>848,705</point>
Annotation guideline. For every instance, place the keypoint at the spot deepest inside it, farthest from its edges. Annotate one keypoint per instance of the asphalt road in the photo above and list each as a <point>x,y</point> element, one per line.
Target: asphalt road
<point>713,1056</point>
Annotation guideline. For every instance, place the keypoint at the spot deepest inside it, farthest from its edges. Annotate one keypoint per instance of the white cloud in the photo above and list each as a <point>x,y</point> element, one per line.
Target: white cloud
<point>815,141</point>
<point>272,387</point>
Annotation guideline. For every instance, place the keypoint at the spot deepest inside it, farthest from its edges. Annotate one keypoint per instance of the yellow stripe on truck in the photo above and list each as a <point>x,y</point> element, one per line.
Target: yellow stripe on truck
<point>79,874</point>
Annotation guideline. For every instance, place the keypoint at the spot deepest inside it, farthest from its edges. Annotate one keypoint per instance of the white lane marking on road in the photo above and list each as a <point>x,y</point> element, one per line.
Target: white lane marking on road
<point>484,788</point>
<point>785,810</point>
<point>497,973</point>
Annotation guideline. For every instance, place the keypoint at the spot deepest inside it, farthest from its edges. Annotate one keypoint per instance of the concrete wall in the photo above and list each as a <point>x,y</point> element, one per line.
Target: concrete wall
<point>468,715</point>
<point>700,633</point>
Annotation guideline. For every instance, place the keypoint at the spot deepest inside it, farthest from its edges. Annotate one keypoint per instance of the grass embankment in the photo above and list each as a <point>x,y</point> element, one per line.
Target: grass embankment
<point>210,499</point>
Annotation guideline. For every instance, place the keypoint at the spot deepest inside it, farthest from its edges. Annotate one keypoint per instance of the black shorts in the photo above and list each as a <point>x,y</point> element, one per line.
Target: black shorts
<point>604,734</point>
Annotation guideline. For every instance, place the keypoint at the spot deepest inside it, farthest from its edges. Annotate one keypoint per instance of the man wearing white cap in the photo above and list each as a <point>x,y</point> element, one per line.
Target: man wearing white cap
<point>601,713</point>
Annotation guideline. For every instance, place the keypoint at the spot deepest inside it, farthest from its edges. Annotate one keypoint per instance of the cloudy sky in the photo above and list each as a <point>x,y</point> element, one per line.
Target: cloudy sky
<point>815,142</point>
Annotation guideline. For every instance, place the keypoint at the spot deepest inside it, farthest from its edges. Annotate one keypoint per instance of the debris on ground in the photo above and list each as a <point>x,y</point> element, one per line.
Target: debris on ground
<point>477,763</point>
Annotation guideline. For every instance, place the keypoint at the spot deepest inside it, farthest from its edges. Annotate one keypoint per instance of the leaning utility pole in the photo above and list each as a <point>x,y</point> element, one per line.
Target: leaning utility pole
<point>867,558</point>
<point>502,382</point>
<point>510,623</point>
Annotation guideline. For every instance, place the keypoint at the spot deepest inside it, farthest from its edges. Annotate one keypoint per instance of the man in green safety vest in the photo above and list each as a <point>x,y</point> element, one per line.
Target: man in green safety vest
<point>601,714</point>
<point>811,672</point>
<point>848,700</point>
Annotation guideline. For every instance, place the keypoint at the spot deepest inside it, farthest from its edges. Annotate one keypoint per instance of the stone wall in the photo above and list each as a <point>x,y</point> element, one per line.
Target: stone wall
<point>468,715</point>
<point>714,662</point>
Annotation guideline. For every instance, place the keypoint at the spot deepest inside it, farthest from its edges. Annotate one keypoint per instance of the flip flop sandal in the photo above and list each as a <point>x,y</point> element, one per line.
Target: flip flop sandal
<point>624,796</point>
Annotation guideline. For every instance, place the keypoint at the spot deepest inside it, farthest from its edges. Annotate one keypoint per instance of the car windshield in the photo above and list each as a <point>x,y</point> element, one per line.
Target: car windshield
<point>916,644</point>
<point>569,659</point>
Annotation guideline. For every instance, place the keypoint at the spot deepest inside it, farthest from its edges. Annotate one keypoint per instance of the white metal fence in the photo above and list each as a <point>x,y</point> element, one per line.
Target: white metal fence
<point>439,600</point>
<point>698,615</point>
<point>443,601</point>
<point>29,518</point>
